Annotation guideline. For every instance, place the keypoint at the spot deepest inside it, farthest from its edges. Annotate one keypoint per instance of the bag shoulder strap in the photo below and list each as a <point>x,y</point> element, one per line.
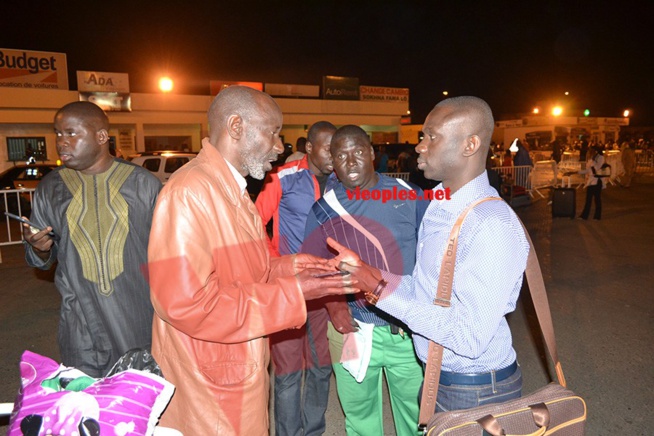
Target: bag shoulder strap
<point>443,296</point>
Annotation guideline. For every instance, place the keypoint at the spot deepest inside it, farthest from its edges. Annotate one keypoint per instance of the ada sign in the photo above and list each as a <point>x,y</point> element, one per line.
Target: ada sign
<point>95,81</point>
<point>33,69</point>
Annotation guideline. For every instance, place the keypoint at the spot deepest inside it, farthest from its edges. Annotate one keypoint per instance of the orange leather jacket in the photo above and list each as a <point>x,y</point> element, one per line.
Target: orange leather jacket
<point>216,294</point>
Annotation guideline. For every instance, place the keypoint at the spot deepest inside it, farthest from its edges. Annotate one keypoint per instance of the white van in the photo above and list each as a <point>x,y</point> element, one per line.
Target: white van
<point>162,163</point>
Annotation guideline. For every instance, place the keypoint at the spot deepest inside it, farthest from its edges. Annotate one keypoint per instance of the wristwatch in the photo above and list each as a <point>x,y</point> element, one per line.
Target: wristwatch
<point>373,297</point>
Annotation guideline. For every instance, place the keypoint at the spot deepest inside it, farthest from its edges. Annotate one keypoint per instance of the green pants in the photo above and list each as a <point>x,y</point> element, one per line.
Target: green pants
<point>362,402</point>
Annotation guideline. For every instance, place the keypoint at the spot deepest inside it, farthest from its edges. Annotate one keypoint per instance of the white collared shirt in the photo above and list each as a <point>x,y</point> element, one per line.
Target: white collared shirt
<point>242,183</point>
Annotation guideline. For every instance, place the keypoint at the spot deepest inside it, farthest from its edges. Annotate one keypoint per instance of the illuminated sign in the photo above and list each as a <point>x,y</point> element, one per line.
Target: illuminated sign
<point>340,88</point>
<point>109,101</point>
<point>379,93</point>
<point>95,81</point>
<point>33,69</point>
<point>216,86</point>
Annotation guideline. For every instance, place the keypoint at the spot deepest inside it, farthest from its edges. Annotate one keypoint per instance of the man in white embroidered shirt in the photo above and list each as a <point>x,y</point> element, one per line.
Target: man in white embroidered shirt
<point>479,362</point>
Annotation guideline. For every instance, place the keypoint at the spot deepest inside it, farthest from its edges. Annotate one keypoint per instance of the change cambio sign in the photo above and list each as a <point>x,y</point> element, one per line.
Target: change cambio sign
<point>33,69</point>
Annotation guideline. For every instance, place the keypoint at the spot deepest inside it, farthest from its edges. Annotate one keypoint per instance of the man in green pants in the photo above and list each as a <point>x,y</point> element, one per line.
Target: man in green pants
<point>378,217</point>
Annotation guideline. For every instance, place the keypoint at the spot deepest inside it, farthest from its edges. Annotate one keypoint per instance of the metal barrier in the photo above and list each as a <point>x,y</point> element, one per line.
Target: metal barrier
<point>614,159</point>
<point>518,175</point>
<point>16,201</point>
<point>644,161</point>
<point>403,176</point>
<point>543,175</point>
<point>568,172</point>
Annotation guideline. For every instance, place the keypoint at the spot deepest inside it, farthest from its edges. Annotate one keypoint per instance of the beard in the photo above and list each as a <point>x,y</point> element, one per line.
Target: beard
<point>256,167</point>
<point>255,164</point>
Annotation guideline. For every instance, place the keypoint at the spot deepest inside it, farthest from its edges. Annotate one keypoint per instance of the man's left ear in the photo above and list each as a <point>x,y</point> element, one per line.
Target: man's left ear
<point>102,136</point>
<point>473,145</point>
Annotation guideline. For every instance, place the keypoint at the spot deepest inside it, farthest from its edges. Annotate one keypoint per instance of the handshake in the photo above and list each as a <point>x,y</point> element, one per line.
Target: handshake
<point>344,274</point>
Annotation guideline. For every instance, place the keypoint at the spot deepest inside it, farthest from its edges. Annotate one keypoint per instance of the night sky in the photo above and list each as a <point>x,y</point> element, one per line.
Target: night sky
<point>514,54</point>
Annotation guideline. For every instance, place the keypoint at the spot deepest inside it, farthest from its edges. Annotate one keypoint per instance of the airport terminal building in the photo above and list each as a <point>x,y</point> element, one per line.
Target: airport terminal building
<point>33,85</point>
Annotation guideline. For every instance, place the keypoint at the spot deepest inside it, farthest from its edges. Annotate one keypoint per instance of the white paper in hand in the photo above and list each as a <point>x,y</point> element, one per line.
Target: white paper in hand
<point>357,349</point>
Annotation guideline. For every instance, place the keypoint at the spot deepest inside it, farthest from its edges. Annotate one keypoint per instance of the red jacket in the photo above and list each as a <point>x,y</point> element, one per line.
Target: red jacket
<point>287,197</point>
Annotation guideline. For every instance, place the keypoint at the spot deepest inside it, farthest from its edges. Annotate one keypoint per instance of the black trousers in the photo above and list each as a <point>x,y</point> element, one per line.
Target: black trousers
<point>593,191</point>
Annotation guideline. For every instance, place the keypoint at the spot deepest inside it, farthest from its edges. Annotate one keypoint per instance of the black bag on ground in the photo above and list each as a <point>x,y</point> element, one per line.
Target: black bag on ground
<point>564,202</point>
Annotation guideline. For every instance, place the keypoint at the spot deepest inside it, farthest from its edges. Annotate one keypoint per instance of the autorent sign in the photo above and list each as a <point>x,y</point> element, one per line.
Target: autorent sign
<point>33,69</point>
<point>340,88</point>
<point>379,93</point>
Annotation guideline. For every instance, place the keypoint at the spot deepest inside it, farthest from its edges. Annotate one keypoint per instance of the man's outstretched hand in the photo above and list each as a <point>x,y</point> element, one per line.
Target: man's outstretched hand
<point>302,261</point>
<point>367,277</point>
<point>314,287</point>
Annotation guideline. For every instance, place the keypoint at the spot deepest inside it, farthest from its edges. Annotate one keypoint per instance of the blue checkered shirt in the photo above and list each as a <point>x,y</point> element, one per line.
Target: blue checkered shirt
<point>490,261</point>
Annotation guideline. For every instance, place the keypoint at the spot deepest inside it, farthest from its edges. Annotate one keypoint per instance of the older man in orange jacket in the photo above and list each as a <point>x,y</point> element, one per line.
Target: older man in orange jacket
<point>215,290</point>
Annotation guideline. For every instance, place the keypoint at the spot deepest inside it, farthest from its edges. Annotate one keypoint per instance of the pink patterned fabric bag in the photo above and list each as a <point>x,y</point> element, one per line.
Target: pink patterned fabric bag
<point>58,400</point>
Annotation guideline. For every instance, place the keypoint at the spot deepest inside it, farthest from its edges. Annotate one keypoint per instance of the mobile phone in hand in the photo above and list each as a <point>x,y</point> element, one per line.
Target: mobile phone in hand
<point>332,274</point>
<point>33,227</point>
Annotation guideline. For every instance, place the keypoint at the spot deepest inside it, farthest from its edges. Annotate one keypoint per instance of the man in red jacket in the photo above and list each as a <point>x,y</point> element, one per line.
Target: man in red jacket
<point>216,292</point>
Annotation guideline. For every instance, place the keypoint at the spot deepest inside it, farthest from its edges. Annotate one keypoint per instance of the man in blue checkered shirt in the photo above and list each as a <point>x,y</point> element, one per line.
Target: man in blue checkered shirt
<point>479,361</point>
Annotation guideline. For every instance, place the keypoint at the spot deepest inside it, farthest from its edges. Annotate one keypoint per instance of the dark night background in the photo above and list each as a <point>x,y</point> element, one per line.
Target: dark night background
<point>514,54</point>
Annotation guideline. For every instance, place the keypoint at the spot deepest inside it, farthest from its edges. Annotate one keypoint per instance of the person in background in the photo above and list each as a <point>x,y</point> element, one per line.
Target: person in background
<point>300,150</point>
<point>629,164</point>
<point>300,356</point>
<point>384,234</point>
<point>381,160</point>
<point>216,292</point>
<point>100,211</point>
<point>556,151</point>
<point>583,150</point>
<point>595,182</point>
<point>479,361</point>
<point>508,159</point>
<point>522,157</point>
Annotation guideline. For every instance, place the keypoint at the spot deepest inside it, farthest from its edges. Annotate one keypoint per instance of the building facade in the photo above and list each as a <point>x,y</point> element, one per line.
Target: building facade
<point>170,121</point>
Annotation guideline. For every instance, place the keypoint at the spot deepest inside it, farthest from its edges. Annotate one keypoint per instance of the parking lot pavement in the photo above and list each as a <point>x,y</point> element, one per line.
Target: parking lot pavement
<point>600,283</point>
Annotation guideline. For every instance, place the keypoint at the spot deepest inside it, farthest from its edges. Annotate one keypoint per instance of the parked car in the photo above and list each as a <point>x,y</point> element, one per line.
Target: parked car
<point>162,163</point>
<point>21,177</point>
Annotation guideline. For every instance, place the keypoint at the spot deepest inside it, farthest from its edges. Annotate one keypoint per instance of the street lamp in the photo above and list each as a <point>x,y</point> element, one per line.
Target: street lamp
<point>557,111</point>
<point>536,111</point>
<point>445,93</point>
<point>166,84</point>
<point>626,113</point>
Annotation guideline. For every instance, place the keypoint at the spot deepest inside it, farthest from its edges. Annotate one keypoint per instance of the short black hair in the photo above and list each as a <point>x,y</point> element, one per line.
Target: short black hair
<point>87,111</point>
<point>318,127</point>
<point>350,130</point>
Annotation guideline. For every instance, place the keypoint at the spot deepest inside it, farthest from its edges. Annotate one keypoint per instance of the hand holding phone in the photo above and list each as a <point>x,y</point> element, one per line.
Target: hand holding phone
<point>33,227</point>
